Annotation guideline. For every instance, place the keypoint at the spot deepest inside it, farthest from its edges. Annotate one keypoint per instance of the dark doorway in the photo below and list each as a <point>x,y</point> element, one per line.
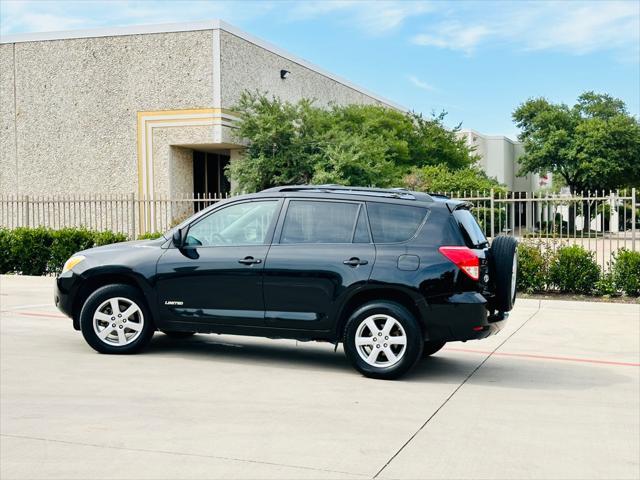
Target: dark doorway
<point>209,180</point>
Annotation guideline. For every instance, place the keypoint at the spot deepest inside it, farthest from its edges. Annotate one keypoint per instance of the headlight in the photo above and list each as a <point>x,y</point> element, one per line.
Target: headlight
<point>72,262</point>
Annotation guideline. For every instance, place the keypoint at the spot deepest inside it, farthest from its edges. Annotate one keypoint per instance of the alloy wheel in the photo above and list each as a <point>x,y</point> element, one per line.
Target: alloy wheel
<point>118,321</point>
<point>381,340</point>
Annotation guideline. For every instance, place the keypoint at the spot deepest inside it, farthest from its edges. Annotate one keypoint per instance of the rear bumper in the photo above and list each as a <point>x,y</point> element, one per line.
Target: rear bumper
<point>461,317</point>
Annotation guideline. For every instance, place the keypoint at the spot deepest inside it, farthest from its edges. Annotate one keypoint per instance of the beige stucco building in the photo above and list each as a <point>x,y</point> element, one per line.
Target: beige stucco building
<point>143,109</point>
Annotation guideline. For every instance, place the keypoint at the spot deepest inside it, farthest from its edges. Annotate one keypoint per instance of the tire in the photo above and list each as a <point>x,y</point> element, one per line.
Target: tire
<point>372,321</point>
<point>119,333</point>
<point>431,347</point>
<point>504,256</point>
<point>174,334</point>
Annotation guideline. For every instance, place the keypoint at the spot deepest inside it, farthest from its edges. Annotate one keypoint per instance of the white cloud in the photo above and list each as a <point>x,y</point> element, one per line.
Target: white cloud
<point>44,22</point>
<point>454,36</point>
<point>373,17</point>
<point>43,15</point>
<point>421,84</point>
<point>589,28</point>
<point>574,27</point>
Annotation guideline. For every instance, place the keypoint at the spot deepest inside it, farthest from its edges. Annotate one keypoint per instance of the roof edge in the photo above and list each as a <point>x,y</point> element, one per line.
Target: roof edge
<point>111,31</point>
<point>215,24</point>
<point>490,137</point>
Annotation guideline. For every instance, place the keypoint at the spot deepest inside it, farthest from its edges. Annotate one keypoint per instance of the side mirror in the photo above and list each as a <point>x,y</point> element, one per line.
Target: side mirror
<point>178,241</point>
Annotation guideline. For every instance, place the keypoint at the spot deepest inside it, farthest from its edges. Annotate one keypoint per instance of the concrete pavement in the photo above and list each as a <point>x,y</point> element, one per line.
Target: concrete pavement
<point>554,395</point>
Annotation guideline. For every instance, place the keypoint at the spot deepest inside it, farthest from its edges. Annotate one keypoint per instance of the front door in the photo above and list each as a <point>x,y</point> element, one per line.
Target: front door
<point>324,248</point>
<point>217,277</point>
<point>209,179</point>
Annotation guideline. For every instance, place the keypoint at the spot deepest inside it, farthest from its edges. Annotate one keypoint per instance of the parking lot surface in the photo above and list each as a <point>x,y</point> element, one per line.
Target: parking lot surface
<point>555,395</point>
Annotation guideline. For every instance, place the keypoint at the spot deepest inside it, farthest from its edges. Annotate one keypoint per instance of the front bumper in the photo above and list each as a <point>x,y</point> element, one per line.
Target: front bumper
<point>461,317</point>
<point>63,295</point>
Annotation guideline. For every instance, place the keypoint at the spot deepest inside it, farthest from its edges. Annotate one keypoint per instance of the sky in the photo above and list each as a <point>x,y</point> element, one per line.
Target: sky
<point>476,60</point>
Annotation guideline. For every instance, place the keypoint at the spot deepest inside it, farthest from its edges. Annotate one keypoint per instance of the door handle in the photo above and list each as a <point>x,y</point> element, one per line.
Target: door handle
<point>249,261</point>
<point>355,261</point>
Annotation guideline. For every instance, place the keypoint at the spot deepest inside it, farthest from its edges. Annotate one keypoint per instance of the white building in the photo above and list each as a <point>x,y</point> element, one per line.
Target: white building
<point>499,158</point>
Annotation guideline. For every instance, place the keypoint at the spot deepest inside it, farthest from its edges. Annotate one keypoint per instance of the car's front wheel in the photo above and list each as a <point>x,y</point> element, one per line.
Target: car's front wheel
<point>115,319</point>
<point>383,340</point>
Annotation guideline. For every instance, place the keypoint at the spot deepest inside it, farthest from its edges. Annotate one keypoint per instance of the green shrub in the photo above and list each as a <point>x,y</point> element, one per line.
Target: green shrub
<point>6,261</point>
<point>66,242</point>
<point>533,261</point>
<point>149,236</point>
<point>606,286</point>
<point>41,251</point>
<point>29,250</point>
<point>440,178</point>
<point>107,238</point>
<point>626,272</point>
<point>574,270</point>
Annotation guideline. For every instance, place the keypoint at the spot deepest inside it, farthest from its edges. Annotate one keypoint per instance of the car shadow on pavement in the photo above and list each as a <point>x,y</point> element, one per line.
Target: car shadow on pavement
<point>444,367</point>
<point>225,349</point>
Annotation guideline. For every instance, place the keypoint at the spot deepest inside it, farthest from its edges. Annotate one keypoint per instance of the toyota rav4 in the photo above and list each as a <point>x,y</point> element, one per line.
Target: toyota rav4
<point>391,274</point>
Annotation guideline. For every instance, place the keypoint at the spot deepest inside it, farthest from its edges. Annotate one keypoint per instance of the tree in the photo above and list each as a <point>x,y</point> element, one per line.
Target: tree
<point>441,179</point>
<point>593,145</point>
<point>359,145</point>
<point>282,143</point>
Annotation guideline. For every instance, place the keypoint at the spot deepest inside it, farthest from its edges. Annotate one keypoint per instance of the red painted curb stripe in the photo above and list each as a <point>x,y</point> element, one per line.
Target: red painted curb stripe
<point>35,314</point>
<point>544,357</point>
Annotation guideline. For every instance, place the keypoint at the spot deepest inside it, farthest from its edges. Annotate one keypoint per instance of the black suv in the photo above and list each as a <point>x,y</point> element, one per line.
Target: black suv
<point>392,274</point>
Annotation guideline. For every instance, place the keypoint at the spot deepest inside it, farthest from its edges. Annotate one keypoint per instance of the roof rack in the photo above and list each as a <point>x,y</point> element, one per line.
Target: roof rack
<point>400,193</point>
<point>439,195</point>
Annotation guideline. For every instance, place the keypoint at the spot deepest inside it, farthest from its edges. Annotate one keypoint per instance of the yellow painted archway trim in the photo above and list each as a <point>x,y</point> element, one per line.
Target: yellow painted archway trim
<point>147,121</point>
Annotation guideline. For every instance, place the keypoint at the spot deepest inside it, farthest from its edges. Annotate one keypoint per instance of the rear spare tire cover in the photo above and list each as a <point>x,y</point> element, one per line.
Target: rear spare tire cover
<point>504,261</point>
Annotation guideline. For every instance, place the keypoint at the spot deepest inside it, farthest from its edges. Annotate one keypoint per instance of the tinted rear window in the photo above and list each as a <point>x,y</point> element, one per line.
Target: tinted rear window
<point>473,235</point>
<point>319,222</point>
<point>394,223</point>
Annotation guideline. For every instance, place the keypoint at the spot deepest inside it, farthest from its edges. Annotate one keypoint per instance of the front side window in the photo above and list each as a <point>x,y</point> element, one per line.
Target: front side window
<point>319,222</point>
<point>239,224</point>
<point>394,223</point>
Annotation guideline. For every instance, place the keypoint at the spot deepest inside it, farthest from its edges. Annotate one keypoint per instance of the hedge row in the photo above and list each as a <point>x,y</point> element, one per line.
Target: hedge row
<point>572,269</point>
<point>42,251</point>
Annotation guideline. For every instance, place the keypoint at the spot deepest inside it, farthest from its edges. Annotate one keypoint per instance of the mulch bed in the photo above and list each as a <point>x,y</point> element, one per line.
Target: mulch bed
<point>579,298</point>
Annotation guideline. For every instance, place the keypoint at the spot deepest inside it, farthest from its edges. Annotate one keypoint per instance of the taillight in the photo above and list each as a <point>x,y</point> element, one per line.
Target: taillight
<point>465,260</point>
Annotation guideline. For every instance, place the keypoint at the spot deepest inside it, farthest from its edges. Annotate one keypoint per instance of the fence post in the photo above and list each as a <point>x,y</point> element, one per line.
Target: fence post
<point>491,214</point>
<point>633,219</point>
<point>132,229</point>
<point>27,216</point>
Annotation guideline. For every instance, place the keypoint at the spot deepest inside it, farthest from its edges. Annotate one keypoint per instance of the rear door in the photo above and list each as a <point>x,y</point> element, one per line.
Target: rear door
<point>475,239</point>
<point>321,249</point>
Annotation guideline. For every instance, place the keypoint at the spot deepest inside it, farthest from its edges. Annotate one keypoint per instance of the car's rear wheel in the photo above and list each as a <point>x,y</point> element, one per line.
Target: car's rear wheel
<point>504,257</point>
<point>174,334</point>
<point>115,319</point>
<point>431,347</point>
<point>383,340</point>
